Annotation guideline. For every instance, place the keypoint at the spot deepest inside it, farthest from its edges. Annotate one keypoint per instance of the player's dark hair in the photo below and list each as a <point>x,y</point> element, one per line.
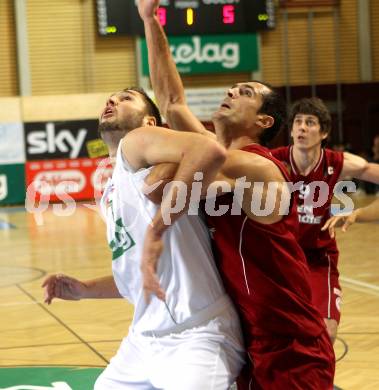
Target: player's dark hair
<point>313,106</point>
<point>152,108</point>
<point>274,106</point>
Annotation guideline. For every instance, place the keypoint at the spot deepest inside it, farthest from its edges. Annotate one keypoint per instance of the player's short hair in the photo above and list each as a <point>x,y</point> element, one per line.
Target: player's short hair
<point>313,106</point>
<point>151,107</point>
<point>275,106</point>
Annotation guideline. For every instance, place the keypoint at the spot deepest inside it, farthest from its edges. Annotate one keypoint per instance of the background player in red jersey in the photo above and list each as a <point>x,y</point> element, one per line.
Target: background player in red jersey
<point>309,162</point>
<point>262,265</point>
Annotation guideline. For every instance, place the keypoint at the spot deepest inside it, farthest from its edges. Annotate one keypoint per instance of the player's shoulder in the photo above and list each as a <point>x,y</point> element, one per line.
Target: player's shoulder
<point>281,153</point>
<point>334,158</point>
<point>280,149</point>
<point>240,163</point>
<point>243,157</point>
<point>333,155</point>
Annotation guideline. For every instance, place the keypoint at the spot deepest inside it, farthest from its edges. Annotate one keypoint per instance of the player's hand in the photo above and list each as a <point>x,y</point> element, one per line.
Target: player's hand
<point>343,221</point>
<point>153,247</point>
<point>63,287</point>
<point>147,8</point>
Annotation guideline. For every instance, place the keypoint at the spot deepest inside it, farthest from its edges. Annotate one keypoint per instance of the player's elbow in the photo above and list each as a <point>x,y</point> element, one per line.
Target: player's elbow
<point>156,181</point>
<point>369,172</point>
<point>373,172</point>
<point>214,150</point>
<point>155,196</point>
<point>154,190</point>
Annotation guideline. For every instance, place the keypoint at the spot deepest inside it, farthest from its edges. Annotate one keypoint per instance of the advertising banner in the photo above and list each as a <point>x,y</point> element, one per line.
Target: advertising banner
<point>65,180</point>
<point>203,102</point>
<point>12,145</point>
<point>210,53</point>
<point>60,140</point>
<point>12,184</point>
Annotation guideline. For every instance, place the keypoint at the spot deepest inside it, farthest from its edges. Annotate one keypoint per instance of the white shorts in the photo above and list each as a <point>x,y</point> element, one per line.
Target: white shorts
<point>206,357</point>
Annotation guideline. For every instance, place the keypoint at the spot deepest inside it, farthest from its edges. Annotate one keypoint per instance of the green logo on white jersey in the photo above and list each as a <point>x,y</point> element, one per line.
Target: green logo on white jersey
<point>122,241</point>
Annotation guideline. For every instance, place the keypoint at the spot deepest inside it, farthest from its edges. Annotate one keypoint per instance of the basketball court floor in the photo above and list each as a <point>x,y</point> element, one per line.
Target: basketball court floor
<point>85,334</point>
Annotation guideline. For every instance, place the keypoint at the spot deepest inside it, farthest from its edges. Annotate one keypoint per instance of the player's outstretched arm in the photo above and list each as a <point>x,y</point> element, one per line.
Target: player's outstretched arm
<point>68,288</point>
<point>369,213</point>
<point>165,79</point>
<point>237,166</point>
<point>357,167</point>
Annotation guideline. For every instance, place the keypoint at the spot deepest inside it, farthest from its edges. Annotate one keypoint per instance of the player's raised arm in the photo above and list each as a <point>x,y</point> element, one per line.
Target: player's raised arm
<point>165,79</point>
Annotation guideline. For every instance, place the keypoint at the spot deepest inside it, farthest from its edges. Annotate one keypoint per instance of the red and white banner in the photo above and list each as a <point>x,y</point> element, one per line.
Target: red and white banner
<point>63,180</point>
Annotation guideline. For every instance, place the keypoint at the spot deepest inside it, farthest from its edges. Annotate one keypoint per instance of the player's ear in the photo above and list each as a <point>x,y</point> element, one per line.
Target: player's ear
<point>265,121</point>
<point>149,121</point>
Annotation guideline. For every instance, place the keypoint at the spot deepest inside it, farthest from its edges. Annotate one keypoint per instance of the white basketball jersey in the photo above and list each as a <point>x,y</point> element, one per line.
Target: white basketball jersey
<point>186,269</point>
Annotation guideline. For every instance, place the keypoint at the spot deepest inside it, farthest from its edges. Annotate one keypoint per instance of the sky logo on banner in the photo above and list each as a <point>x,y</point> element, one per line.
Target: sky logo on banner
<point>49,141</point>
<point>59,140</point>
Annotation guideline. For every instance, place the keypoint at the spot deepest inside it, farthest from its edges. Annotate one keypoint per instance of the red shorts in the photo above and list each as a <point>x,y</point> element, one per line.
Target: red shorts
<point>289,364</point>
<point>326,290</point>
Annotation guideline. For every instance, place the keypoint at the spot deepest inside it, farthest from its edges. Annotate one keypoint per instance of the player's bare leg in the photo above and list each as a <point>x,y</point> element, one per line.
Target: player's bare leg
<point>332,327</point>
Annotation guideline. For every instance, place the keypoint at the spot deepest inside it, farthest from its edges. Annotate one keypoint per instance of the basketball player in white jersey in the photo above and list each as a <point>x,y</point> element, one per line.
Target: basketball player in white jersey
<point>190,340</point>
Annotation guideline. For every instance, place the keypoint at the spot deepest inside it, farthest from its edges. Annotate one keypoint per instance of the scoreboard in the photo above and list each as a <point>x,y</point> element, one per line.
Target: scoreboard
<point>188,17</point>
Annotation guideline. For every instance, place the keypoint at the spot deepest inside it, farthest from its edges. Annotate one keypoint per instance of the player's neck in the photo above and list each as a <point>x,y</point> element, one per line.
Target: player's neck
<point>306,159</point>
<point>238,142</point>
<point>231,140</point>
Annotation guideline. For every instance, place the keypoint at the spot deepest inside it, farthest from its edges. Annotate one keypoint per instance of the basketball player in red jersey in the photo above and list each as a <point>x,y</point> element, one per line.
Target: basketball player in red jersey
<point>309,163</point>
<point>262,265</point>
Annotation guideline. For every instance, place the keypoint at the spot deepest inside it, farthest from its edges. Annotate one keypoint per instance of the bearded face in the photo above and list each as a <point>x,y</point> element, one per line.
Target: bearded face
<point>124,112</point>
<point>122,125</point>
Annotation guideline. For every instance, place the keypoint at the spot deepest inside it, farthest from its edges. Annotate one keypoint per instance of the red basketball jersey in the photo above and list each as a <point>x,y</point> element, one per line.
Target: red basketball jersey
<point>327,170</point>
<point>264,270</point>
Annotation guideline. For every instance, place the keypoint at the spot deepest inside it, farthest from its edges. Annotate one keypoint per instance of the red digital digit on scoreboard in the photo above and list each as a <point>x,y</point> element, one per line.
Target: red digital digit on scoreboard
<point>228,14</point>
<point>162,16</point>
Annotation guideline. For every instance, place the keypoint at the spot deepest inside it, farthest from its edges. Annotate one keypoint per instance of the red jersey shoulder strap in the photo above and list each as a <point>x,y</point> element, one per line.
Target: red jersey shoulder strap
<point>266,153</point>
<point>281,153</point>
<point>334,162</point>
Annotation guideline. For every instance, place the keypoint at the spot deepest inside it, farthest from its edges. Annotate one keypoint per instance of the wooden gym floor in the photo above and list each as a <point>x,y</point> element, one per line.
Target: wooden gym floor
<point>87,333</point>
